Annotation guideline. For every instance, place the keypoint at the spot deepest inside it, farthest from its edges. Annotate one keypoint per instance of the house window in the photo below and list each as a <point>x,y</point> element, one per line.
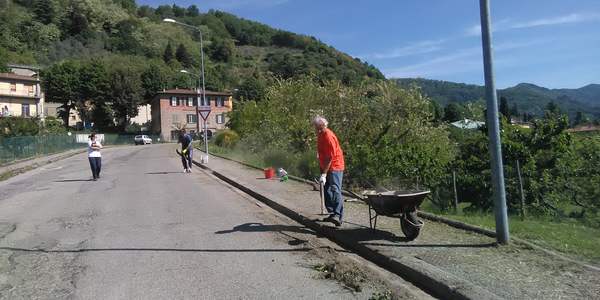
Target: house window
<point>192,119</point>
<point>13,87</point>
<point>30,90</point>
<point>25,110</point>
<point>219,101</point>
<point>205,101</point>
<point>173,101</point>
<point>175,119</point>
<point>190,101</point>
<point>220,118</point>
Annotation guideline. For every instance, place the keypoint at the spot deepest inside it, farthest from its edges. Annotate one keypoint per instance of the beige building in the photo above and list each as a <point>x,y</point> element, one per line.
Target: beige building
<point>144,115</point>
<point>20,96</point>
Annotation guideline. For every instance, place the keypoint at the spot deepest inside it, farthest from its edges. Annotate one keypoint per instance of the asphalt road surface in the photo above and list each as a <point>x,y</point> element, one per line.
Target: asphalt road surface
<point>146,230</point>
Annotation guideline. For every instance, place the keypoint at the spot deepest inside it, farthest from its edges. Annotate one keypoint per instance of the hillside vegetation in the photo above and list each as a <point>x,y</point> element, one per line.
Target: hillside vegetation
<point>527,97</point>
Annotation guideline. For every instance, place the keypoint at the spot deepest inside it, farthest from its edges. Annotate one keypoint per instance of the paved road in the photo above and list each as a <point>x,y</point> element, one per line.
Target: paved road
<point>145,230</point>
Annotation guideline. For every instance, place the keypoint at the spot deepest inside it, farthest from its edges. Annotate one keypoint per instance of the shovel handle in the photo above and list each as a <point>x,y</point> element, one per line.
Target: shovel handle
<point>322,193</point>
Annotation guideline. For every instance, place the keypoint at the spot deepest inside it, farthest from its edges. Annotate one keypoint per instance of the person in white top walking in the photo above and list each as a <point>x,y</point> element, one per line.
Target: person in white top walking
<point>94,156</point>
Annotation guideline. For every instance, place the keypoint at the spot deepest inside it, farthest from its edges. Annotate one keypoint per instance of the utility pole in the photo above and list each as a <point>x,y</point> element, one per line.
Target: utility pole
<point>205,160</point>
<point>502,235</point>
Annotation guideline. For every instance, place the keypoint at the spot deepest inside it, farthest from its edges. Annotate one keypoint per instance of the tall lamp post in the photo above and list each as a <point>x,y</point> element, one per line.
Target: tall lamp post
<point>502,235</point>
<point>203,86</point>
<point>197,108</point>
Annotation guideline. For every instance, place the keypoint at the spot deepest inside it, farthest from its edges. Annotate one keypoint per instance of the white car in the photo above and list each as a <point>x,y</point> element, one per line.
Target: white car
<point>142,140</point>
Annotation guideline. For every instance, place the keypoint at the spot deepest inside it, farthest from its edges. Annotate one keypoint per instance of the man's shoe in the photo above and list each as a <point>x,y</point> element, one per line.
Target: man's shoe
<point>328,219</point>
<point>336,222</point>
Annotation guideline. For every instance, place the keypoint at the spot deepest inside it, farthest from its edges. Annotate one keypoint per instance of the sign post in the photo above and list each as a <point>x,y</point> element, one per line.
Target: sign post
<point>204,113</point>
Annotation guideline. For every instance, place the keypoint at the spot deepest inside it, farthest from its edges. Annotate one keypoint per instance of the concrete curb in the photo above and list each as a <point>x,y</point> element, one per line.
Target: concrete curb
<point>418,272</point>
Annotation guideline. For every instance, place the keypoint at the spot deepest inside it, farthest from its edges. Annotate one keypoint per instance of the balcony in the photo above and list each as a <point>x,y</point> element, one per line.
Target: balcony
<point>19,93</point>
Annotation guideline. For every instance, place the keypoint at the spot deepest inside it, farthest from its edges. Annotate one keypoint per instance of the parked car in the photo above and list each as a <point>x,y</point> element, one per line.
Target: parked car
<point>142,140</point>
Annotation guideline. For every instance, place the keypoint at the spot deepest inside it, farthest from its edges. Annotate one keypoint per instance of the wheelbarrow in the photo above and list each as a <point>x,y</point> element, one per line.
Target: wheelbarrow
<point>396,204</point>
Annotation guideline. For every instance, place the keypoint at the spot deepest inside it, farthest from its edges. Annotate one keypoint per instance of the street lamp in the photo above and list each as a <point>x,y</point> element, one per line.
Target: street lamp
<point>203,86</point>
<point>197,112</point>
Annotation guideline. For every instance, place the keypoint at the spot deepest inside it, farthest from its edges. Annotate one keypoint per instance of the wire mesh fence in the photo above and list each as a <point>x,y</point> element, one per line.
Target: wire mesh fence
<point>23,147</point>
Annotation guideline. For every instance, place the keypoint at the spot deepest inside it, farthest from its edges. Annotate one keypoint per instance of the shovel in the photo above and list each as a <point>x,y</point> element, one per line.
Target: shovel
<point>322,193</point>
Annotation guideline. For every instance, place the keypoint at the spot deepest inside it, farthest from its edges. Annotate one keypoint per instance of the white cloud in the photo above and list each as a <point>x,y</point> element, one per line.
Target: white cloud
<point>566,19</point>
<point>235,4</point>
<point>506,24</point>
<point>461,61</point>
<point>420,47</point>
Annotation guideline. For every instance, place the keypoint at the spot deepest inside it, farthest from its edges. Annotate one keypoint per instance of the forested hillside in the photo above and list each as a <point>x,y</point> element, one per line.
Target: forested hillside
<point>527,97</point>
<point>104,42</point>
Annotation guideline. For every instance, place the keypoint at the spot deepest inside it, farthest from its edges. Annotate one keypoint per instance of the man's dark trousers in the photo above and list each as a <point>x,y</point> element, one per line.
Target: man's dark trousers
<point>333,194</point>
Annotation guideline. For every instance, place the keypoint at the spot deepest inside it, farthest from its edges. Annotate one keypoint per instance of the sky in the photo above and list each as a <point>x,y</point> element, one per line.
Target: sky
<point>551,43</point>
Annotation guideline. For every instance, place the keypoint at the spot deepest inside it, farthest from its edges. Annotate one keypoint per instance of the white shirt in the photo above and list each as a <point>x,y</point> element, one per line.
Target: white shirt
<point>92,152</point>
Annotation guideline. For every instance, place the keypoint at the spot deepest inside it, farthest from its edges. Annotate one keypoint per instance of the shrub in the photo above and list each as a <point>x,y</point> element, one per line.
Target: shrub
<point>227,139</point>
<point>278,158</point>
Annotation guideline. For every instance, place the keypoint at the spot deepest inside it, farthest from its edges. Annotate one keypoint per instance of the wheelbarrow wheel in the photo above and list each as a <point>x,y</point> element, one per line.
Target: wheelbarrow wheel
<point>411,230</point>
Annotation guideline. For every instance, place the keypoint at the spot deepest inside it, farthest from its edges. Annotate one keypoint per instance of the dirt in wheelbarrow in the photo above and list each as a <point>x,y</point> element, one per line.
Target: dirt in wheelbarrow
<point>512,272</point>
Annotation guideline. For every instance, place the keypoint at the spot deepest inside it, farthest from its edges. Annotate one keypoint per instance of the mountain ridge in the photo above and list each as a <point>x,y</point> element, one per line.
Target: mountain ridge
<point>528,97</point>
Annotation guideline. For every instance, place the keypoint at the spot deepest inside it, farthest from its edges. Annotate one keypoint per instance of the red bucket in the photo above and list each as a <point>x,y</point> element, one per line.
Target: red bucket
<point>269,173</point>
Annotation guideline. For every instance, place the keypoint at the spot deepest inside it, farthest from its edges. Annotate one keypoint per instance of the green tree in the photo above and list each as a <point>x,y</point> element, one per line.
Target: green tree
<point>178,11</point>
<point>153,79</point>
<point>192,11</point>
<point>183,56</point>
<point>504,108</point>
<point>168,53</point>
<point>452,112</point>
<point>125,95</point>
<point>3,61</point>
<point>222,50</point>
<point>61,85</point>
<point>252,88</point>
<point>94,93</point>
<point>44,11</point>
<point>514,110</point>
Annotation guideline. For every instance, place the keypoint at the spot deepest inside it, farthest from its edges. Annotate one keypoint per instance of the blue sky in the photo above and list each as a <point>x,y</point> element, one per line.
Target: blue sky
<point>552,43</point>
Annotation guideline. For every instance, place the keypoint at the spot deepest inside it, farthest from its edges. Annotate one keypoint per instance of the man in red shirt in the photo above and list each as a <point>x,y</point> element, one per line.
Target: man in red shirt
<point>331,161</point>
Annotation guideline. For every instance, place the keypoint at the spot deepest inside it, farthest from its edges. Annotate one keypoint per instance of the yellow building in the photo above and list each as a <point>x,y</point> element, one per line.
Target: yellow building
<point>20,96</point>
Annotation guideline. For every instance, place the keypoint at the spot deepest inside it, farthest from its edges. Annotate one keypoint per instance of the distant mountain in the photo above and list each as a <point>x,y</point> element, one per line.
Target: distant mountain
<point>528,97</point>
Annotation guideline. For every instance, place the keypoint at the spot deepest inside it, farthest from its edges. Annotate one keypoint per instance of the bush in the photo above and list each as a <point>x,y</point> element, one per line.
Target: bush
<point>227,139</point>
<point>280,159</point>
<point>17,126</point>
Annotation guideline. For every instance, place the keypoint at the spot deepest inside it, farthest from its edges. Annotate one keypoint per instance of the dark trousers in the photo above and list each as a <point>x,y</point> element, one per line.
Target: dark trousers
<point>95,165</point>
<point>333,194</point>
<point>186,159</point>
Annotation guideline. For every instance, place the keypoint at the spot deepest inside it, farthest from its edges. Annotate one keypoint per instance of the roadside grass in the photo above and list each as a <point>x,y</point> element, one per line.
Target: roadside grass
<point>13,173</point>
<point>564,235</point>
<point>235,154</point>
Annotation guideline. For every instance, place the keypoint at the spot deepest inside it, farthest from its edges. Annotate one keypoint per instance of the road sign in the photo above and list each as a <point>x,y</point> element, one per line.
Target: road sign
<point>204,112</point>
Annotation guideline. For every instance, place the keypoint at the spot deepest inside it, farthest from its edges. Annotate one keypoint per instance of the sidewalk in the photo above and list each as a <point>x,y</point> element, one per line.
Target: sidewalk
<point>32,163</point>
<point>457,263</point>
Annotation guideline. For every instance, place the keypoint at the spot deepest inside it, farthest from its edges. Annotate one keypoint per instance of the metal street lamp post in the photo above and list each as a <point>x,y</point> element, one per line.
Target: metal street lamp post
<point>203,85</point>
<point>197,112</point>
<point>502,235</point>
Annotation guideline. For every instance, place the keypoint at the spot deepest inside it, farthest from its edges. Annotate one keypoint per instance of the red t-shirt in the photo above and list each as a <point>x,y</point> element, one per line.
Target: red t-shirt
<point>328,147</point>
